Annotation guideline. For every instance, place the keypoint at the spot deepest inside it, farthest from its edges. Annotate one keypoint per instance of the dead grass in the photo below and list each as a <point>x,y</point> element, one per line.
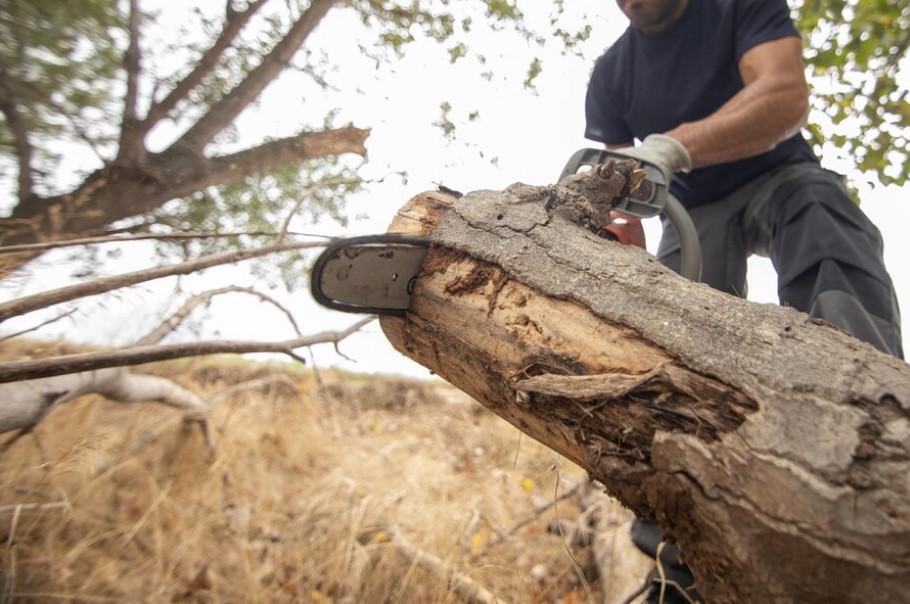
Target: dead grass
<point>296,503</point>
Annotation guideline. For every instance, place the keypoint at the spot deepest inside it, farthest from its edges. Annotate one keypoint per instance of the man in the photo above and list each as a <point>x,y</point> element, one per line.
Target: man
<point>716,92</point>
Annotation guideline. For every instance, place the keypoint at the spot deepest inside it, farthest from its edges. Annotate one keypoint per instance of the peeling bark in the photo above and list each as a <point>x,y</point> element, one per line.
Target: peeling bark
<point>775,450</point>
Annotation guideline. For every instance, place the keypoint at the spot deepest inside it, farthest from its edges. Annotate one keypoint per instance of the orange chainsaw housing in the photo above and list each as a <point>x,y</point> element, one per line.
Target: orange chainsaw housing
<point>625,229</point>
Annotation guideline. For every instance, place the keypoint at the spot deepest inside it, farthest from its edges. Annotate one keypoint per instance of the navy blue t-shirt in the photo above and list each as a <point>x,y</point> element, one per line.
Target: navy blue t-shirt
<point>644,85</point>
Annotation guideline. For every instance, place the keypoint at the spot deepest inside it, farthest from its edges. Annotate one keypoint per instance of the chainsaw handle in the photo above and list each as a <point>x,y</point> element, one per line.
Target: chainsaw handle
<point>689,243</point>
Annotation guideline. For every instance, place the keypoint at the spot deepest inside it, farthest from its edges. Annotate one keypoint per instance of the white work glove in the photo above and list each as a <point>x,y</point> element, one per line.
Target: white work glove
<point>664,151</point>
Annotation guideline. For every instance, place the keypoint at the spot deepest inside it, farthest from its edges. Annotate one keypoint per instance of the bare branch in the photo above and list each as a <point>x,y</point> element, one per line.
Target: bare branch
<point>79,363</point>
<point>132,388</point>
<point>34,507</point>
<point>9,106</point>
<point>131,142</point>
<point>34,302</point>
<point>233,103</point>
<point>50,245</point>
<point>38,326</point>
<point>304,195</point>
<point>172,322</point>
<point>204,66</point>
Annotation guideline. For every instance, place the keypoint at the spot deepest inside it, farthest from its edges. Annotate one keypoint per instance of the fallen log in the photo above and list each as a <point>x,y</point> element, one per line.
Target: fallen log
<point>774,449</point>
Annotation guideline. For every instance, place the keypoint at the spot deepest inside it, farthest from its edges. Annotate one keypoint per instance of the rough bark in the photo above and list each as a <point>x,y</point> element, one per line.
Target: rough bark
<point>774,449</point>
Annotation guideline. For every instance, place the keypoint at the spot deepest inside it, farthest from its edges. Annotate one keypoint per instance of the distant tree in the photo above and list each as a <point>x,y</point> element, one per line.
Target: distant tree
<point>855,50</point>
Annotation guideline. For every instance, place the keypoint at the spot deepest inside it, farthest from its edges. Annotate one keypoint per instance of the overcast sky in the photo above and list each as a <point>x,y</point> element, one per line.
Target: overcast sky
<point>517,137</point>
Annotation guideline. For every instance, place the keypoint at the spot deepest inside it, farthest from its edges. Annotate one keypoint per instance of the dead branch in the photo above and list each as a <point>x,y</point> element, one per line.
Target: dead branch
<point>60,316</point>
<point>77,363</point>
<point>271,154</point>
<point>172,322</point>
<point>304,196</point>
<point>50,245</point>
<point>26,403</point>
<point>34,302</point>
<point>503,536</point>
<point>23,508</point>
<point>466,588</point>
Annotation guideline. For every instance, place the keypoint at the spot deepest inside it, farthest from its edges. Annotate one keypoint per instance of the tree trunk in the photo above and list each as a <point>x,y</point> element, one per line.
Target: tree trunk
<point>774,449</point>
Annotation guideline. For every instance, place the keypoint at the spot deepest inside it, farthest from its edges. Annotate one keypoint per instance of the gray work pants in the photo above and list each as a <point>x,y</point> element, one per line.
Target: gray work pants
<point>828,258</point>
<point>827,253</point>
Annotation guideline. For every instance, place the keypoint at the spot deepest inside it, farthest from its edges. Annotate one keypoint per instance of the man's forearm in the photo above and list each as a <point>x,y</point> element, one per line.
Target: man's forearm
<point>772,106</point>
<point>754,121</point>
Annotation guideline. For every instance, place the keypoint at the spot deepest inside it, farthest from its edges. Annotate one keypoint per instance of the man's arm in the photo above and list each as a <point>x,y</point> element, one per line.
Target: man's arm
<point>772,107</point>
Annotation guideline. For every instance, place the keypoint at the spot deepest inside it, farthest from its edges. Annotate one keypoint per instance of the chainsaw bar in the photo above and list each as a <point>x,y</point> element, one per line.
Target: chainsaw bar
<point>373,274</point>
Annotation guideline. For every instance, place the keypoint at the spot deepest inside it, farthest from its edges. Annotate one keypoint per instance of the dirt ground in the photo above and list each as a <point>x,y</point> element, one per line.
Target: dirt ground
<point>321,487</point>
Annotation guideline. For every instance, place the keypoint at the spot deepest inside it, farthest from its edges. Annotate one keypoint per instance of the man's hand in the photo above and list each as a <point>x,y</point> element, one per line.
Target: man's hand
<point>664,151</point>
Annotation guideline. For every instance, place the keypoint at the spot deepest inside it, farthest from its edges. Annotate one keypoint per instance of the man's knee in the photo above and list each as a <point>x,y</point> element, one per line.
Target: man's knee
<point>828,256</point>
<point>846,311</point>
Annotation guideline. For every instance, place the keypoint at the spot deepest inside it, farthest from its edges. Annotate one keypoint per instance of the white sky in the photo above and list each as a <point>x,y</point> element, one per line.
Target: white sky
<point>531,135</point>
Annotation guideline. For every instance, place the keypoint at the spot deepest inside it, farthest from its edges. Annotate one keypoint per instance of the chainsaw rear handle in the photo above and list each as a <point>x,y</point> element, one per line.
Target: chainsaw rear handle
<point>650,199</point>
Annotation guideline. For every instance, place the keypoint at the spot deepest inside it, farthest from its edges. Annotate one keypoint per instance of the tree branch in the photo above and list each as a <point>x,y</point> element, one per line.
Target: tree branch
<point>304,195</point>
<point>59,317</point>
<point>50,245</point>
<point>131,141</point>
<point>204,66</point>
<point>299,148</point>
<point>34,507</point>
<point>9,106</point>
<point>467,589</point>
<point>172,322</point>
<point>233,103</point>
<point>34,302</point>
<point>78,363</point>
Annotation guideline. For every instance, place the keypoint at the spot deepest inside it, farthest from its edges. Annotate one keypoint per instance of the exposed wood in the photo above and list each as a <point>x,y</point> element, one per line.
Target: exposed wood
<point>776,450</point>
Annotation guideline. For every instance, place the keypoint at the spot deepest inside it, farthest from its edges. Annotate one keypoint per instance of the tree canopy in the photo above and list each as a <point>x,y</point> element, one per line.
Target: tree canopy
<point>855,50</point>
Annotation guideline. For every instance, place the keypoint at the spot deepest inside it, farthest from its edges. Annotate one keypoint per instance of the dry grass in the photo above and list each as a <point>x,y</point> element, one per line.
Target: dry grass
<point>294,505</point>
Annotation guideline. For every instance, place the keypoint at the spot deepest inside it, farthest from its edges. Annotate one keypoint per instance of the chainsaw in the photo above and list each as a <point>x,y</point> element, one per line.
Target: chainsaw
<point>375,274</point>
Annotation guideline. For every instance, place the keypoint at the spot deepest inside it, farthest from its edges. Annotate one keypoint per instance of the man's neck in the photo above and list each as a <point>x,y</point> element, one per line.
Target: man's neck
<point>666,21</point>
